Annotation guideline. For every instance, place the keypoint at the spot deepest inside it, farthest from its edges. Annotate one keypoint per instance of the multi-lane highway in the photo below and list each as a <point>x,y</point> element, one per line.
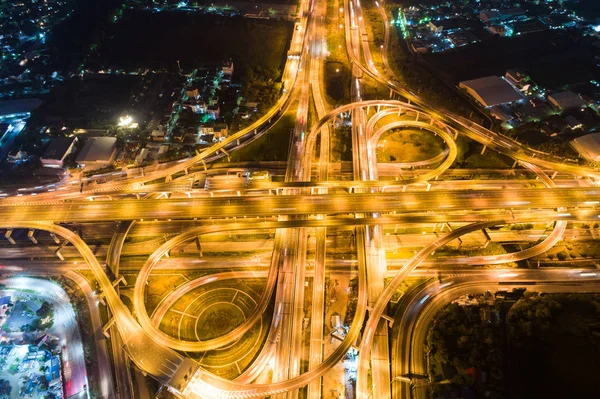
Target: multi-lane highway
<point>302,204</point>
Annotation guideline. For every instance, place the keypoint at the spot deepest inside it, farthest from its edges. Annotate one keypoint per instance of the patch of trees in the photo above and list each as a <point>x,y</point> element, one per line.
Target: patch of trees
<point>460,339</point>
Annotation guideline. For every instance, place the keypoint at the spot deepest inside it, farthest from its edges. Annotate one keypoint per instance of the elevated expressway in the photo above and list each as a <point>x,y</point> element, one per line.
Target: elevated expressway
<point>305,204</point>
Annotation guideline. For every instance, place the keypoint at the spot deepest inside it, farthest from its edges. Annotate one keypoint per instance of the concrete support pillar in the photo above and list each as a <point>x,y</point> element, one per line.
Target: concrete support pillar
<point>237,141</point>
<point>107,326</point>
<point>455,135</point>
<point>167,254</point>
<point>30,235</point>
<point>378,108</point>
<point>120,280</point>
<point>428,187</point>
<point>403,188</point>
<point>204,164</point>
<point>483,150</point>
<point>487,238</point>
<point>391,93</point>
<point>199,246</point>
<point>55,238</point>
<point>554,174</point>
<point>418,114</point>
<point>514,164</point>
<point>8,235</point>
<point>60,247</point>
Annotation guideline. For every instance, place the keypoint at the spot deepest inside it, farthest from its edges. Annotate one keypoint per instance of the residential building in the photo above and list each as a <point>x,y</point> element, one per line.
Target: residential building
<point>141,156</point>
<point>227,69</point>
<point>213,111</point>
<point>497,29</point>
<point>192,93</point>
<point>158,134</point>
<point>220,131</point>
<point>436,26</point>
<point>206,128</point>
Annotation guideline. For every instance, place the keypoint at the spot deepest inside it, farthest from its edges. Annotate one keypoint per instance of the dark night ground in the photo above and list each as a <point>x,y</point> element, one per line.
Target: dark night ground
<point>548,349</point>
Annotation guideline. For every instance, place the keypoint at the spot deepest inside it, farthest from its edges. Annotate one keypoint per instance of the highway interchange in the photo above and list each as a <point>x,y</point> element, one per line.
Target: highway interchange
<point>311,200</point>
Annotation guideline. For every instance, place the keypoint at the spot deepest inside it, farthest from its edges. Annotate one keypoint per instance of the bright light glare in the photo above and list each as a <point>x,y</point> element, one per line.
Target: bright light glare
<point>125,121</point>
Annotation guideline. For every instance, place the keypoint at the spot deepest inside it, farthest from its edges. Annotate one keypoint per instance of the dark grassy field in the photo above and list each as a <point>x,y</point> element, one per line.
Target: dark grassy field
<point>158,40</point>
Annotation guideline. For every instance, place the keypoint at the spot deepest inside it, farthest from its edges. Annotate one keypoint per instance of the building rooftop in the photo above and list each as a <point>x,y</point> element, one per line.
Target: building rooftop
<point>491,90</point>
<point>588,146</point>
<point>14,107</point>
<point>58,148</point>
<point>566,99</point>
<point>97,149</point>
